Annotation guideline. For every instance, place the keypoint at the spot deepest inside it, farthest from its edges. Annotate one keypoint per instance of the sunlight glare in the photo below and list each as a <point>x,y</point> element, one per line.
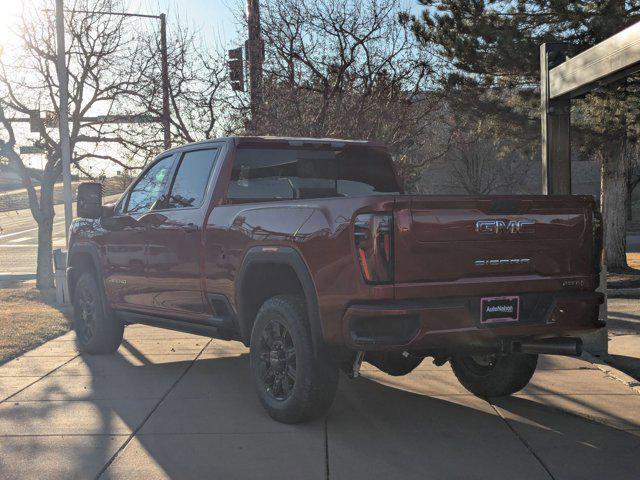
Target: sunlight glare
<point>9,19</point>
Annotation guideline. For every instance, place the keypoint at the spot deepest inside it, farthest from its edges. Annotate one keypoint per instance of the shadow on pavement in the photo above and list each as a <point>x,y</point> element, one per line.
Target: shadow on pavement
<point>202,419</point>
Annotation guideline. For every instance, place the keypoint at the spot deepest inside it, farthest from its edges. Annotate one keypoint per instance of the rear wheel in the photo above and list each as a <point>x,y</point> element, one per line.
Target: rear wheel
<point>294,383</point>
<point>494,375</point>
<point>96,330</point>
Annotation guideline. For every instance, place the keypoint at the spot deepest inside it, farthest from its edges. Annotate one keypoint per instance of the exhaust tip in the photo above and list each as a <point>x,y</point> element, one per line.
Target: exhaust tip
<point>567,346</point>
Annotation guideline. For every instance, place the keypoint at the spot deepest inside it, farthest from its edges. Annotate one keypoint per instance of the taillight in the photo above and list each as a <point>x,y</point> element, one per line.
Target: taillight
<point>373,234</point>
<point>597,241</point>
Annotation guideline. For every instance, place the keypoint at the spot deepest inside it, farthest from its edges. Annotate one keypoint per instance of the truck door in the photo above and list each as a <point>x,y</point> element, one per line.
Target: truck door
<point>174,238</point>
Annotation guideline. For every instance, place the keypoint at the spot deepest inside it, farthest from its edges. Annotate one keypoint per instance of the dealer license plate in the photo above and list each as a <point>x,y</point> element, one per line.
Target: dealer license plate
<point>499,309</point>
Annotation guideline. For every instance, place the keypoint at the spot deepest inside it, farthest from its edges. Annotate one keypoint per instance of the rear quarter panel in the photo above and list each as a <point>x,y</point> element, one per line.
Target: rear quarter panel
<point>320,230</point>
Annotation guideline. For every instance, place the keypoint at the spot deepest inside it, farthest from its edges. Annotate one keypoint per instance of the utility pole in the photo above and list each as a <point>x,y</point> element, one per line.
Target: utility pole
<point>166,114</point>
<point>255,57</point>
<point>63,122</point>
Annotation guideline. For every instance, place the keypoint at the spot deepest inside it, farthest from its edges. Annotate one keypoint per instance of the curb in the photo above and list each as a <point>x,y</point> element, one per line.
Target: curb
<point>630,293</point>
<point>612,372</point>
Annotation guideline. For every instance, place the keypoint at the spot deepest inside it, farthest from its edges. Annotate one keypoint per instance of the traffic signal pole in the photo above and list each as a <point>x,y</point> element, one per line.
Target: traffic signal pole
<point>255,57</point>
<point>63,121</point>
<point>166,114</point>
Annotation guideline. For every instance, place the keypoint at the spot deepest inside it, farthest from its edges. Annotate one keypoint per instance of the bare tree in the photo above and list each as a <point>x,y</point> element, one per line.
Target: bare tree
<point>485,166</point>
<point>199,91</point>
<point>338,68</point>
<point>105,67</point>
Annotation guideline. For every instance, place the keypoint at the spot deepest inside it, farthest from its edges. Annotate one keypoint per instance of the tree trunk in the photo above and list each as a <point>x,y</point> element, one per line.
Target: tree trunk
<point>614,196</point>
<point>44,272</point>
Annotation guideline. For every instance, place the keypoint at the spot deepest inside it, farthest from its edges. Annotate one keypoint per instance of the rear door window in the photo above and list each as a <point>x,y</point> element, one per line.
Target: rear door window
<point>191,180</point>
<point>306,173</point>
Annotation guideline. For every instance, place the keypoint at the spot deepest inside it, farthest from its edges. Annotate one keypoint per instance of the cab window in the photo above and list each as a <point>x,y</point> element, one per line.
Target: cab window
<point>148,190</point>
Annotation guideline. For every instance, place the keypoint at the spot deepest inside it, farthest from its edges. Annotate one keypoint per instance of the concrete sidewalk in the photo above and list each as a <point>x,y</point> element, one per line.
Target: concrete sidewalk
<point>172,405</point>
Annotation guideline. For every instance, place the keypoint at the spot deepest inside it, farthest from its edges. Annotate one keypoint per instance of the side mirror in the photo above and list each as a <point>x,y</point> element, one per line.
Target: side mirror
<point>89,200</point>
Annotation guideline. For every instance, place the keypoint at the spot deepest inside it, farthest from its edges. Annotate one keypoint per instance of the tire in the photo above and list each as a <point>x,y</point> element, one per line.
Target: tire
<point>97,330</point>
<point>494,376</point>
<point>393,363</point>
<point>294,383</point>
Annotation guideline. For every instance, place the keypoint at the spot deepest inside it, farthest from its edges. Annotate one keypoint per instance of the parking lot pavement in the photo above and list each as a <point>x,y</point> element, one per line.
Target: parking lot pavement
<point>173,405</point>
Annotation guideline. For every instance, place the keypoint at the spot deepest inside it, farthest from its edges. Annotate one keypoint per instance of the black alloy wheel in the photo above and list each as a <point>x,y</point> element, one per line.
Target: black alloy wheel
<point>295,382</point>
<point>277,360</point>
<point>98,330</point>
<point>86,316</point>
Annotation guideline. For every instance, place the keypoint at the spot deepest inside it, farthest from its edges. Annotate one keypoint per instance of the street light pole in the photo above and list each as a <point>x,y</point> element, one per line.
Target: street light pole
<point>63,122</point>
<point>166,111</point>
<point>166,114</point>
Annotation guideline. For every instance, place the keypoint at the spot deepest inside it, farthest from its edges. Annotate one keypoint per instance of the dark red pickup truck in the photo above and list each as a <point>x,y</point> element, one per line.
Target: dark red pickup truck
<point>308,251</point>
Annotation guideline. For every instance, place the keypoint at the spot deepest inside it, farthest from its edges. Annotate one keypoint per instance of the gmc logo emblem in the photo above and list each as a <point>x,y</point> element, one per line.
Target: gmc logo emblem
<point>500,226</point>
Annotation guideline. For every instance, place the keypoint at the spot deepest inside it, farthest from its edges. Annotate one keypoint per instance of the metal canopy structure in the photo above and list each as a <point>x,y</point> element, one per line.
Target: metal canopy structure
<point>563,79</point>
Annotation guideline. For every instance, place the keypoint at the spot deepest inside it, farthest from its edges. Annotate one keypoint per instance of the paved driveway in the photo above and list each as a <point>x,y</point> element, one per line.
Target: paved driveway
<point>172,405</point>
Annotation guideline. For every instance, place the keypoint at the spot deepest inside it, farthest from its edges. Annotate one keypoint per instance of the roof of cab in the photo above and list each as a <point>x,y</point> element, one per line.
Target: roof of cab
<point>292,141</point>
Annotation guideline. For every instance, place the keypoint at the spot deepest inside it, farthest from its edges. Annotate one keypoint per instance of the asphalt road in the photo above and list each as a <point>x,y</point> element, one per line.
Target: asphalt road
<point>19,240</point>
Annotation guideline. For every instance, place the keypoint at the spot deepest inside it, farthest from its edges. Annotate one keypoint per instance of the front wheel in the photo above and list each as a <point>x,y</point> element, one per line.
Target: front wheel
<point>96,330</point>
<point>294,383</point>
<point>494,375</point>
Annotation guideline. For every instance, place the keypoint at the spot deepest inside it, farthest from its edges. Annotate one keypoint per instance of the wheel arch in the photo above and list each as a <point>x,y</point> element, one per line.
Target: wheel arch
<point>280,263</point>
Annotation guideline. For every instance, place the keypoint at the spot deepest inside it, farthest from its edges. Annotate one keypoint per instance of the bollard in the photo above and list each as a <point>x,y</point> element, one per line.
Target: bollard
<point>60,276</point>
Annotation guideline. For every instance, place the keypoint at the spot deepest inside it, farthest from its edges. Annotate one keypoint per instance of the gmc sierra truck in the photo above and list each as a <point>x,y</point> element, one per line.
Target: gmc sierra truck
<point>309,253</point>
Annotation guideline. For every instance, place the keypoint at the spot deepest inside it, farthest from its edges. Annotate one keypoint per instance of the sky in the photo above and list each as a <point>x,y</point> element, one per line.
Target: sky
<point>215,20</point>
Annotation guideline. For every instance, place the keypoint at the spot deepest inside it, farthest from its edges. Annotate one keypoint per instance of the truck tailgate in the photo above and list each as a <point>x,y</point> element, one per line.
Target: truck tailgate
<point>448,239</point>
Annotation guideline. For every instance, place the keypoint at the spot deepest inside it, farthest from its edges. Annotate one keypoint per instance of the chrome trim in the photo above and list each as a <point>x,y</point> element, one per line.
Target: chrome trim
<point>502,226</point>
<point>494,262</point>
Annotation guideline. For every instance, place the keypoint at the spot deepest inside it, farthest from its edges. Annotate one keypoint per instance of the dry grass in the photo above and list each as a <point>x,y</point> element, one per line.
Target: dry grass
<point>28,317</point>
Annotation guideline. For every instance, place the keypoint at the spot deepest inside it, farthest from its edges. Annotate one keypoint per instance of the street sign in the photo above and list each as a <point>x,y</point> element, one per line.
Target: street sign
<point>33,150</point>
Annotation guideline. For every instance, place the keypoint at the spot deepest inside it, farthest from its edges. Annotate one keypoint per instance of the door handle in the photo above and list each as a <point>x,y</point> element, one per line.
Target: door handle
<point>190,227</point>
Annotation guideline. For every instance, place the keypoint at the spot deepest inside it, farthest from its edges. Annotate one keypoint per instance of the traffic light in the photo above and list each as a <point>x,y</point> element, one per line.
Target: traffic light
<point>236,69</point>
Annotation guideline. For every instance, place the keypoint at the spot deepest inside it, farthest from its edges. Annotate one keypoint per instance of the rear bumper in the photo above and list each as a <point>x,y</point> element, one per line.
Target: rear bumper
<point>452,323</point>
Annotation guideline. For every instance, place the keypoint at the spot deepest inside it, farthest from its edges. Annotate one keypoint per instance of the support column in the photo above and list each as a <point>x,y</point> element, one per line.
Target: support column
<point>556,126</point>
<point>556,163</point>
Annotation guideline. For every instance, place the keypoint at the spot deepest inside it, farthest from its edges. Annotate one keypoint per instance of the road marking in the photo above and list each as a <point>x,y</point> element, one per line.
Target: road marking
<point>21,239</point>
<point>20,245</point>
<point>13,234</point>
